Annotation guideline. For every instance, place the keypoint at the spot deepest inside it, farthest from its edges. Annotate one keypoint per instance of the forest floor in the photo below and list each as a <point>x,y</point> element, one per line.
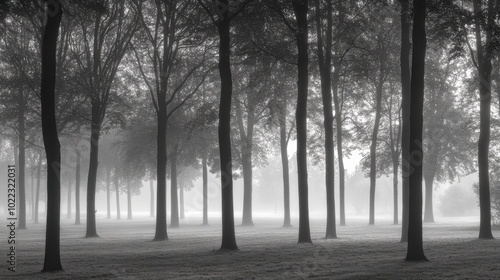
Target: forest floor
<point>266,251</point>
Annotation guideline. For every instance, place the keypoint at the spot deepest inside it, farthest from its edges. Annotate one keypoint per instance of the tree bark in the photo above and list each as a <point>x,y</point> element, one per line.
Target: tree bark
<point>93,163</point>
<point>415,247</point>
<point>52,260</point>
<point>284,162</point>
<point>108,194</point>
<point>340,154</point>
<point>77,189</point>
<point>484,56</point>
<point>325,69</point>
<point>181,201</point>
<point>117,191</point>
<point>405,112</point>
<point>228,234</point>
<point>246,161</point>
<point>174,210</point>
<point>205,191</point>
<point>301,8</point>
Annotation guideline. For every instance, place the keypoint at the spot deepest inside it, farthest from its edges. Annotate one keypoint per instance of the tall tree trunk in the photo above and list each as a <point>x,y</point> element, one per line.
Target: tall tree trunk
<point>93,163</point>
<point>52,261</point>
<point>405,112</point>
<point>181,201</point>
<point>228,234</point>
<point>108,194</point>
<point>428,213</point>
<point>129,202</point>
<point>174,210</point>
<point>415,247</point>
<point>246,161</point>
<point>117,191</point>
<point>38,179</point>
<point>152,201</point>
<point>161,179</point>
<point>68,212</point>
<point>21,188</point>
<point>395,191</point>
<point>376,126</point>
<point>301,8</point>
<point>205,190</point>
<point>284,162</point>
<point>340,153</point>
<point>484,56</point>
<point>77,188</point>
<point>325,69</point>
<point>32,175</point>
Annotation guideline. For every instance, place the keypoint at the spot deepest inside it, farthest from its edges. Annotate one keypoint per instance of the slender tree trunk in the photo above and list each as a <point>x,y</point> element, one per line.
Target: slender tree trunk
<point>52,261</point>
<point>68,212</point>
<point>340,154</point>
<point>108,194</point>
<point>246,158</point>
<point>284,162</point>
<point>205,190</point>
<point>32,191</point>
<point>21,188</point>
<point>428,213</point>
<point>77,189</point>
<point>174,210</point>
<point>93,163</point>
<point>301,8</point>
<point>484,57</point>
<point>415,247</point>
<point>129,202</point>
<point>405,112</point>
<point>181,201</point>
<point>395,191</point>
<point>161,179</point>
<point>228,234</point>
<point>373,146</point>
<point>325,69</point>
<point>152,202</point>
<point>38,179</point>
<point>117,191</point>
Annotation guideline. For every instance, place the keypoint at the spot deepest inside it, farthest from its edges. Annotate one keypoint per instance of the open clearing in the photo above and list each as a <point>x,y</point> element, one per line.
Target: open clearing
<point>266,251</point>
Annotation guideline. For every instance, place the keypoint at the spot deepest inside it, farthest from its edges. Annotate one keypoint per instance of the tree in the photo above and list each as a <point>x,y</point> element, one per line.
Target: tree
<point>223,24</point>
<point>52,261</point>
<point>103,45</point>
<point>415,250</point>
<point>325,68</point>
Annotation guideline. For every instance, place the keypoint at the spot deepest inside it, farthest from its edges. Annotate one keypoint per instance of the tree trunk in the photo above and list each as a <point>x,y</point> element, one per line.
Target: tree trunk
<point>205,191</point>
<point>428,213</point>
<point>484,73</point>
<point>38,179</point>
<point>284,162</point>
<point>405,112</point>
<point>246,160</point>
<point>68,212</point>
<point>340,154</point>
<point>152,201</point>
<point>108,194</point>
<point>228,234</point>
<point>395,191</point>
<point>52,261</point>
<point>161,179</point>
<point>129,202</point>
<point>373,146</point>
<point>93,162</point>
<point>117,190</point>
<point>181,201</point>
<point>300,8</point>
<point>174,210</point>
<point>325,69</point>
<point>21,188</point>
<point>32,175</point>
<point>77,189</point>
<point>415,247</point>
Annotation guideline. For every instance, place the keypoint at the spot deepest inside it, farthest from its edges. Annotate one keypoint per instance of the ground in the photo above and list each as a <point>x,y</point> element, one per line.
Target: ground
<point>266,251</point>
